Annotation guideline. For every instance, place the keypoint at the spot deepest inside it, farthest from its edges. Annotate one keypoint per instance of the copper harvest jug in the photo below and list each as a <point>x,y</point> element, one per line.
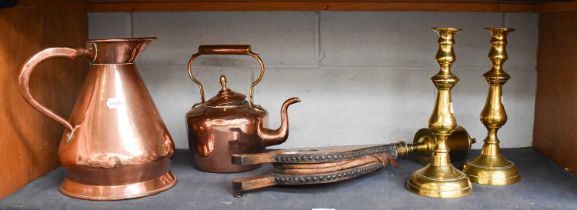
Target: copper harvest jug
<point>115,145</point>
<point>227,123</point>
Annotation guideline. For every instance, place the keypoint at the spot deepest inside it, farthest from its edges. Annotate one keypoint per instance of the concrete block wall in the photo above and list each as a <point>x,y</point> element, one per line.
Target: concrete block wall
<point>363,77</point>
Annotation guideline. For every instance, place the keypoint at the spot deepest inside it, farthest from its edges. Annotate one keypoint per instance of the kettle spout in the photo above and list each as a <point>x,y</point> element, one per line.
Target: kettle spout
<point>273,137</point>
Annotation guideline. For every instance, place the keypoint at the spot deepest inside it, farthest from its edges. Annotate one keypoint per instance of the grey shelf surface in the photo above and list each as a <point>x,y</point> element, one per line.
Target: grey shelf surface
<point>543,186</point>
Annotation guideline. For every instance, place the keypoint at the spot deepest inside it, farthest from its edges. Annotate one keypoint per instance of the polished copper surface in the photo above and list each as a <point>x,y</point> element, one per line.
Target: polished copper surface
<point>116,145</point>
<point>227,123</point>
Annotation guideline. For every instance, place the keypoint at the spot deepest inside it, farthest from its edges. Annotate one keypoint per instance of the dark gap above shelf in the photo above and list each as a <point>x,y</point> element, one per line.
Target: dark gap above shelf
<point>331,5</point>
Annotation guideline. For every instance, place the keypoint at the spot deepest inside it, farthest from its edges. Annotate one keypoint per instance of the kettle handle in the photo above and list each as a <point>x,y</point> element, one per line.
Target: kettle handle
<point>225,50</point>
<point>28,68</point>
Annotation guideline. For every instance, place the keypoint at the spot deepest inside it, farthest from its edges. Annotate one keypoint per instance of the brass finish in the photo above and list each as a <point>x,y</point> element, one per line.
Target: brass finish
<point>491,167</point>
<point>115,145</point>
<point>228,124</point>
<point>439,178</point>
<point>307,165</point>
<point>459,143</point>
<point>225,50</point>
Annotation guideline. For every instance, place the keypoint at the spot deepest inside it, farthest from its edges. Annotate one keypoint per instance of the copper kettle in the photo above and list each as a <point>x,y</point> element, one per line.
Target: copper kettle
<point>227,123</point>
<point>115,145</point>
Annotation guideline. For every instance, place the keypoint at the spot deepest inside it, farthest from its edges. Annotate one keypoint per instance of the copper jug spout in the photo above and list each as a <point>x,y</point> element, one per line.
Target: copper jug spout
<point>273,137</point>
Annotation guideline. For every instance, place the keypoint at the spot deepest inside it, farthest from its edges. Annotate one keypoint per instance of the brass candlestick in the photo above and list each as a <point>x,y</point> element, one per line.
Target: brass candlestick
<point>439,178</point>
<point>491,167</point>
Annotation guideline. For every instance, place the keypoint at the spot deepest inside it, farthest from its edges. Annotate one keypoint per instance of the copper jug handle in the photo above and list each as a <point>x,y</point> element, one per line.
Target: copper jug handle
<point>24,78</point>
<point>225,50</point>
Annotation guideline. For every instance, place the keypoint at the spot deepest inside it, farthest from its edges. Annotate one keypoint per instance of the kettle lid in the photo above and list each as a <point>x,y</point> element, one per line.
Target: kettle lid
<point>226,97</point>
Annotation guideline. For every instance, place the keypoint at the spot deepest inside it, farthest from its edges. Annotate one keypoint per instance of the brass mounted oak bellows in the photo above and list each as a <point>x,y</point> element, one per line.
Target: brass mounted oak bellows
<point>320,165</point>
<point>227,123</point>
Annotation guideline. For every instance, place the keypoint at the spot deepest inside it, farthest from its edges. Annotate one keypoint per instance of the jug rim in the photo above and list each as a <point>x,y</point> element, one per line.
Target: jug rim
<point>122,39</point>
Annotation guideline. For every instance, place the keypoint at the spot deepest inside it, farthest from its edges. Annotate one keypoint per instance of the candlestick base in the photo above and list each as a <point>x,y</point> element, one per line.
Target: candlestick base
<point>439,182</point>
<point>492,170</point>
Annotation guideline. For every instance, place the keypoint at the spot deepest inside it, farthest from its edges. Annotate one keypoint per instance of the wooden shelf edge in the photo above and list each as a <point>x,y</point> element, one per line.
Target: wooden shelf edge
<point>310,6</point>
<point>60,5</point>
<point>558,6</point>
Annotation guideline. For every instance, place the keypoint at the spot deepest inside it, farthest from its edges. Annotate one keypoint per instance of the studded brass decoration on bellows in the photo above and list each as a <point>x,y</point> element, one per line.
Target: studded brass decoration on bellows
<point>287,179</point>
<point>337,156</point>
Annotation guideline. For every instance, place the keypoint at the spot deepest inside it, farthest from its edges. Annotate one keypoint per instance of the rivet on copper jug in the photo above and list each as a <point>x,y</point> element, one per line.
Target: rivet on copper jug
<point>115,145</point>
<point>227,123</point>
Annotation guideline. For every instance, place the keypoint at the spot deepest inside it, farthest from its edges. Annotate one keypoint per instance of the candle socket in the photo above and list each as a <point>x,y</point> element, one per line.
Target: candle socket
<point>439,178</point>
<point>491,167</point>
